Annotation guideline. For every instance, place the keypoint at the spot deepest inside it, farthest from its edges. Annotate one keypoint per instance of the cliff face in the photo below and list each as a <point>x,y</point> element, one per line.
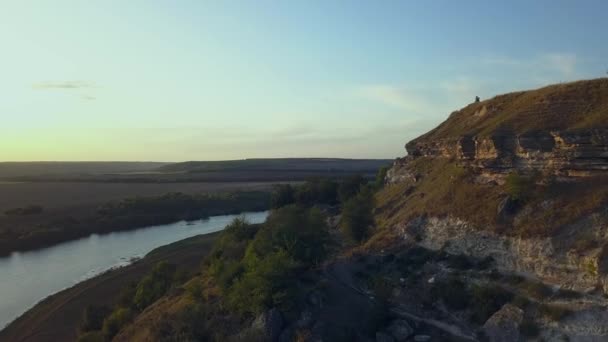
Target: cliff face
<point>560,129</point>
<point>449,192</point>
<point>579,152</point>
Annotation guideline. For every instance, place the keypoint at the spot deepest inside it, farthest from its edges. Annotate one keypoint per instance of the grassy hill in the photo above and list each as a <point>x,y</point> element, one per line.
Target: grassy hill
<point>567,106</point>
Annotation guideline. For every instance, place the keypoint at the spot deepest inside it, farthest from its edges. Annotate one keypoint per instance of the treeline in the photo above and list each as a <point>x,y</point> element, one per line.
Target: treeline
<point>353,195</point>
<point>135,213</point>
<point>328,191</point>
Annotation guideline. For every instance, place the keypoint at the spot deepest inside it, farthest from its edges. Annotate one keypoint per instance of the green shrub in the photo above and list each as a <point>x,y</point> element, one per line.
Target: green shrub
<point>93,317</point>
<point>350,187</point>
<point>519,187</point>
<point>282,195</point>
<point>154,285</point>
<point>268,282</point>
<point>357,216</point>
<point>380,177</point>
<point>302,233</point>
<point>116,321</point>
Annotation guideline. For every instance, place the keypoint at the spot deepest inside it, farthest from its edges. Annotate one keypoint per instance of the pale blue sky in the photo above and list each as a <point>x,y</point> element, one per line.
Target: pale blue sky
<point>208,80</point>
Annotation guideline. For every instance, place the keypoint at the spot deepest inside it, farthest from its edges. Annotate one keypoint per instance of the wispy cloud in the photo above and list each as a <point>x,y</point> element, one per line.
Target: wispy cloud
<point>394,96</point>
<point>82,88</point>
<point>66,85</point>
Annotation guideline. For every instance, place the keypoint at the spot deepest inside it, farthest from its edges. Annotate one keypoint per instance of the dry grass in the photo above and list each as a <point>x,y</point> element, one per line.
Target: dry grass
<point>582,104</point>
<point>447,189</point>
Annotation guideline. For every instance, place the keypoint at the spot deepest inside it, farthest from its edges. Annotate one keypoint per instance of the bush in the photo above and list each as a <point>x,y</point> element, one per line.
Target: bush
<point>116,321</point>
<point>357,216</point>
<point>350,187</point>
<point>518,187</point>
<point>380,177</point>
<point>268,282</point>
<point>93,317</point>
<point>317,191</point>
<point>256,272</point>
<point>302,233</point>
<point>282,195</point>
<point>154,285</point>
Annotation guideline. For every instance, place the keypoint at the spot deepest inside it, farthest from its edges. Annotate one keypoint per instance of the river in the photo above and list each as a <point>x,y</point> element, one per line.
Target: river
<point>28,277</point>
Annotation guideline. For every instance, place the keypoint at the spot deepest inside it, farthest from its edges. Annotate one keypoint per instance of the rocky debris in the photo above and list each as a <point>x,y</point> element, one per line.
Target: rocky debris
<point>400,329</point>
<point>270,323</point>
<point>503,325</point>
<point>383,337</point>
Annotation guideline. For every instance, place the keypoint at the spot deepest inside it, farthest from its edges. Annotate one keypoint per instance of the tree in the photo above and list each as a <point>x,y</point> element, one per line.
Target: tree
<point>282,195</point>
<point>154,285</point>
<point>118,319</point>
<point>350,187</point>
<point>357,216</point>
<point>380,176</point>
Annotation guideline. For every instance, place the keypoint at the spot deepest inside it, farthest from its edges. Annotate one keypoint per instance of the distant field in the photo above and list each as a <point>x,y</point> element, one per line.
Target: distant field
<point>246,170</point>
<point>64,194</point>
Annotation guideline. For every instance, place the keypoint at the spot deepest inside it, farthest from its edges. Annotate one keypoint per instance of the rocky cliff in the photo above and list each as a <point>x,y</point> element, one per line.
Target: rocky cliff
<point>560,129</point>
<point>549,222</point>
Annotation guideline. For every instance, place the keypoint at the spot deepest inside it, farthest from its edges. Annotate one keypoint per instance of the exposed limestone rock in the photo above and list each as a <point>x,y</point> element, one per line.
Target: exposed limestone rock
<point>572,153</point>
<point>503,325</point>
<point>551,259</point>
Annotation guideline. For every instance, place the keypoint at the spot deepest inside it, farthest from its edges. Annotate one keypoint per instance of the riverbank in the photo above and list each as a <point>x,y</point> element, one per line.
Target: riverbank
<point>52,224</point>
<point>58,317</point>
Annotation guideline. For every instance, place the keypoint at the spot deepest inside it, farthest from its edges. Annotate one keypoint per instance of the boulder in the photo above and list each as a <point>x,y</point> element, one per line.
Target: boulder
<point>270,323</point>
<point>400,329</point>
<point>503,325</point>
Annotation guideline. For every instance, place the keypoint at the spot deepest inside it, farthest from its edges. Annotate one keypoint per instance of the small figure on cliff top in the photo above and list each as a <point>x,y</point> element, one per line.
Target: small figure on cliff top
<point>477,99</point>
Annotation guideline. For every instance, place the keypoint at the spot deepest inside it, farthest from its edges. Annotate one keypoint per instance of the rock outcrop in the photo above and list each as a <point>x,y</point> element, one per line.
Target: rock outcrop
<point>563,153</point>
<point>560,129</point>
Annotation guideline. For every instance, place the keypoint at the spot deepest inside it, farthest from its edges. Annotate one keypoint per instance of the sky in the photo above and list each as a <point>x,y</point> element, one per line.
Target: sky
<point>210,80</point>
